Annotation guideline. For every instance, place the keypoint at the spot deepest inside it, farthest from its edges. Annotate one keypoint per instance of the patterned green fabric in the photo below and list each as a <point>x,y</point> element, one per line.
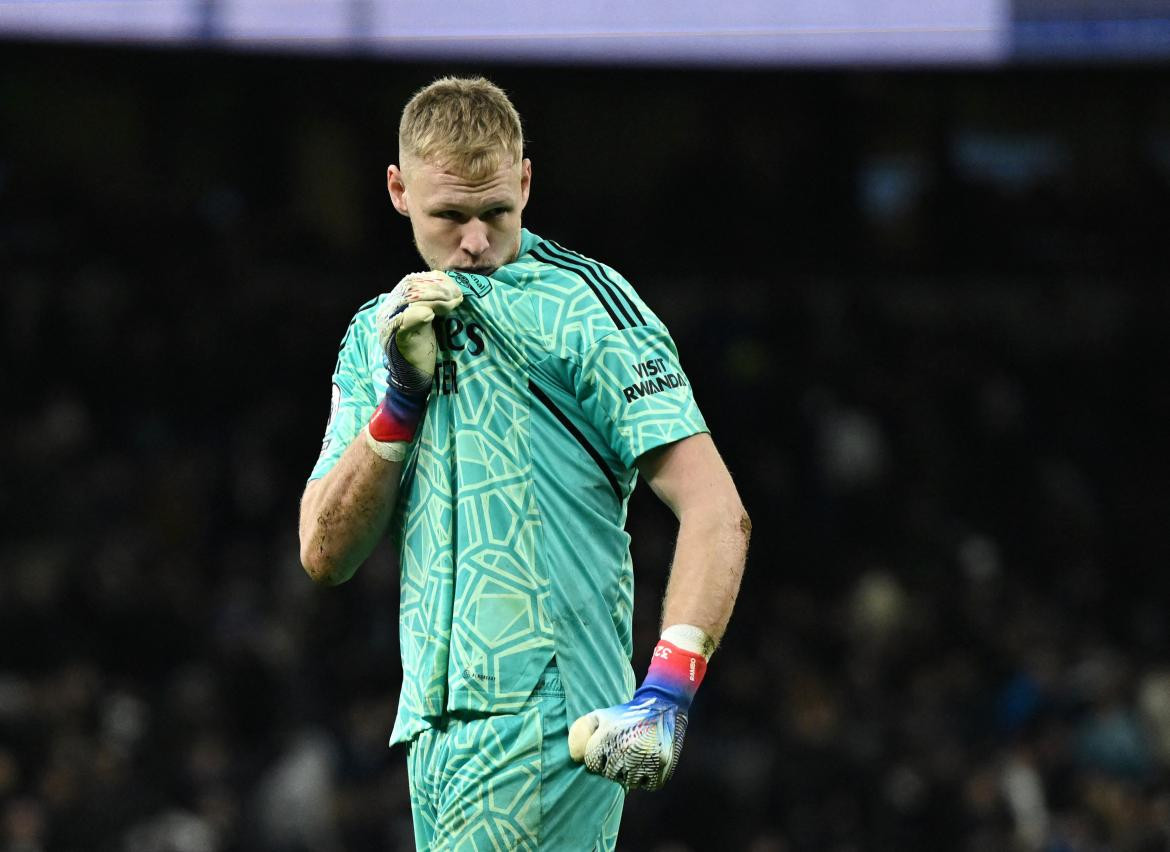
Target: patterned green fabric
<point>554,377</point>
<point>505,781</point>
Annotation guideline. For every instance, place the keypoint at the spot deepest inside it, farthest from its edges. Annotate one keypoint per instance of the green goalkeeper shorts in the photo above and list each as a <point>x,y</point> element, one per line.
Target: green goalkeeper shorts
<point>506,782</point>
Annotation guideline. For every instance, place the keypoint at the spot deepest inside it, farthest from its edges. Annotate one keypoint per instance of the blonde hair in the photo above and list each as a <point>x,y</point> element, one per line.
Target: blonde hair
<point>466,124</point>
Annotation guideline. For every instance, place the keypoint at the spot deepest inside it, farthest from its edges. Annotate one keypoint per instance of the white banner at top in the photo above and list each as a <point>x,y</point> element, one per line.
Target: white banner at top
<point>735,32</point>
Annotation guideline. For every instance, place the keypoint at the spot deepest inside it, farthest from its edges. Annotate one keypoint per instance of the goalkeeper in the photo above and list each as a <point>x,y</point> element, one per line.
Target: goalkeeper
<point>492,416</point>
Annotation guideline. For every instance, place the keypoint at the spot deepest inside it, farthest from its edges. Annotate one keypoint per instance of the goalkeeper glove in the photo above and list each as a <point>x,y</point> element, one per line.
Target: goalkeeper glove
<point>408,341</point>
<point>637,744</point>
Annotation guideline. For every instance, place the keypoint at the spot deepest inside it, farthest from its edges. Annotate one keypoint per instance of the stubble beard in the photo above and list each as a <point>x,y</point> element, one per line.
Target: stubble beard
<point>433,266</point>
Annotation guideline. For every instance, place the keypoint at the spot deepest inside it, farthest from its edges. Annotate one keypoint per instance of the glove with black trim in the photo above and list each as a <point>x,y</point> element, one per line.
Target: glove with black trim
<point>408,341</point>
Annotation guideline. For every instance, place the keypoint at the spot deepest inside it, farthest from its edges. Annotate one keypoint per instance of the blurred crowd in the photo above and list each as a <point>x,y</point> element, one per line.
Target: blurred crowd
<point>952,632</point>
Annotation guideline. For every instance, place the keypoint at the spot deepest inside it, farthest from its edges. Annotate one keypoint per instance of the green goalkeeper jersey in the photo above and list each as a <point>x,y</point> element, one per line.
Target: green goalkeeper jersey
<point>553,378</point>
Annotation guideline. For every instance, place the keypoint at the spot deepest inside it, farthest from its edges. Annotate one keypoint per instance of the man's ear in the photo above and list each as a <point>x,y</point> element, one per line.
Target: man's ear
<point>525,181</point>
<point>396,186</point>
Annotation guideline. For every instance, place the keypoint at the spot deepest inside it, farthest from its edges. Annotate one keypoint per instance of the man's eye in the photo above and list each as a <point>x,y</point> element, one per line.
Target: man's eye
<point>495,212</point>
<point>449,215</point>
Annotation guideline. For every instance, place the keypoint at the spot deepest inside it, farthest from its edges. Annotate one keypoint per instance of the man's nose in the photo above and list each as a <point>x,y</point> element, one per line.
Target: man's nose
<point>475,241</point>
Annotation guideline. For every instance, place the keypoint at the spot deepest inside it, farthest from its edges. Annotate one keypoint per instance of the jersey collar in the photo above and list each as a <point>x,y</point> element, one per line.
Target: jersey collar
<point>528,241</point>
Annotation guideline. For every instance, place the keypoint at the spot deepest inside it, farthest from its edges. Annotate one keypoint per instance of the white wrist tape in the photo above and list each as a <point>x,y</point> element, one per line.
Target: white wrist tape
<point>690,638</point>
<point>392,451</point>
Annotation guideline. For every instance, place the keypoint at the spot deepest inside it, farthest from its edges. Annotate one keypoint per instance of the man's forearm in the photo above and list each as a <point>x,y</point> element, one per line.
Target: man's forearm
<point>637,743</point>
<point>708,566</point>
<point>344,513</point>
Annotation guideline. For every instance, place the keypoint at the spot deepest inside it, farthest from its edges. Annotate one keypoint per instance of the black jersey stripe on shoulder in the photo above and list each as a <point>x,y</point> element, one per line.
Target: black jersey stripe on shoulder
<point>565,267</point>
<point>581,439</point>
<point>611,286</point>
<point>349,328</point>
<point>582,268</point>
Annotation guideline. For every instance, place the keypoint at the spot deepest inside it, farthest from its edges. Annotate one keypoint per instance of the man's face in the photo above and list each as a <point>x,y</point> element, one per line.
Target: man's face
<point>459,223</point>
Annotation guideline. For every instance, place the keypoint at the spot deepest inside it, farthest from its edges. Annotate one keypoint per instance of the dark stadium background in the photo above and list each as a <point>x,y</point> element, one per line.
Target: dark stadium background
<point>924,313</point>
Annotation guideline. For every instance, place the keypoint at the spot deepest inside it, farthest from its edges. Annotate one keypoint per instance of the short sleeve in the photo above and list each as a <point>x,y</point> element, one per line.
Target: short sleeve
<point>352,399</point>
<point>635,393</point>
